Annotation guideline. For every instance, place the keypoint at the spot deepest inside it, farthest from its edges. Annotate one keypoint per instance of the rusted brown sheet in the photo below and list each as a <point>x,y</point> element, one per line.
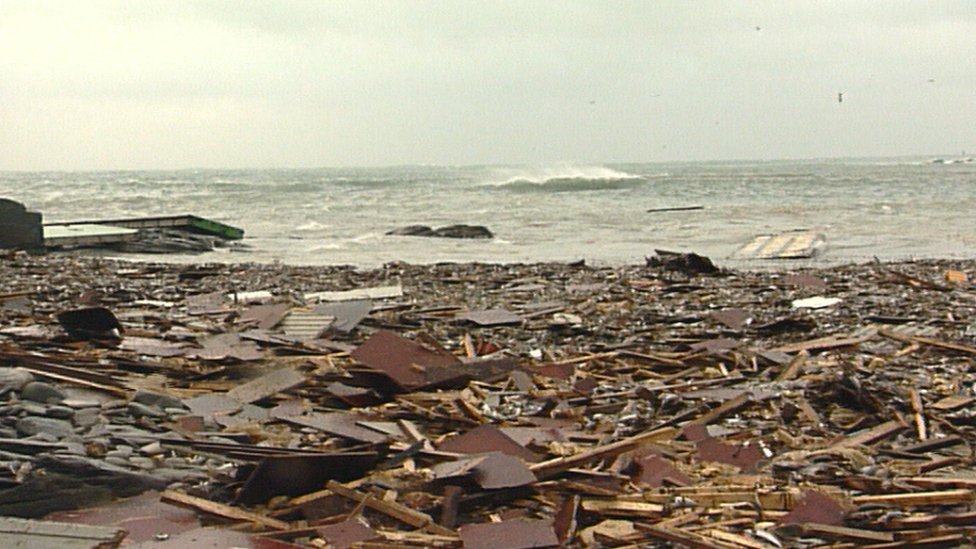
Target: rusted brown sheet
<point>264,317</point>
<point>804,280</point>
<point>654,471</point>
<point>267,385</point>
<point>508,534</point>
<point>353,396</point>
<point>347,314</point>
<point>302,474</point>
<point>488,438</point>
<point>735,319</point>
<point>491,317</point>
<point>408,364</point>
<point>216,538</point>
<point>152,347</point>
<point>713,346</point>
<point>741,456</point>
<point>225,346</point>
<point>39,534</point>
<point>490,471</point>
<point>93,322</point>
<point>343,535</point>
<point>144,517</point>
<point>815,507</point>
<point>336,423</point>
<point>206,304</point>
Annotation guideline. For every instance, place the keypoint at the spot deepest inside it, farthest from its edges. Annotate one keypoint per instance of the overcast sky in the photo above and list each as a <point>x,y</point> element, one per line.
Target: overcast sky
<point>288,83</point>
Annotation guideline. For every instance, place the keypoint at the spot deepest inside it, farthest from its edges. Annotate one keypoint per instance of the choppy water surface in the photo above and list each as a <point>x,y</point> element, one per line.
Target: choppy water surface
<point>890,209</point>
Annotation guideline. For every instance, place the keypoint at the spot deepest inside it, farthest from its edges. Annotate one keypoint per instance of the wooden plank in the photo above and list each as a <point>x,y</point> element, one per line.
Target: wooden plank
<point>844,533</point>
<point>879,432</point>
<point>221,510</point>
<point>688,539</point>
<point>912,499</point>
<point>890,334</point>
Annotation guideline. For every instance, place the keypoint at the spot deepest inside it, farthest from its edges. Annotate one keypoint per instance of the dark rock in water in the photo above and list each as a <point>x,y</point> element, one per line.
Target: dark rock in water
<point>168,241</point>
<point>18,227</point>
<point>463,231</point>
<point>689,264</point>
<point>450,231</point>
<point>38,391</point>
<point>412,230</point>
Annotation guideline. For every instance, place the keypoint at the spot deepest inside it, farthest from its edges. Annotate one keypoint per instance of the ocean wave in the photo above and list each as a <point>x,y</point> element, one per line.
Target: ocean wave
<point>568,179</point>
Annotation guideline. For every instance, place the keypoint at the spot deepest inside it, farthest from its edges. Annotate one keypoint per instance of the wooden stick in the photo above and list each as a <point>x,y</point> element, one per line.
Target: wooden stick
<point>558,465</point>
<point>221,510</point>
<point>919,415</point>
<point>794,367</point>
<point>391,509</point>
<point>928,341</point>
<point>911,499</point>
<point>882,431</point>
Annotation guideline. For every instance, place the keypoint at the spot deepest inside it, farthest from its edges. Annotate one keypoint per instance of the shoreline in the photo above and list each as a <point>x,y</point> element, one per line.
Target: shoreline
<point>610,393</point>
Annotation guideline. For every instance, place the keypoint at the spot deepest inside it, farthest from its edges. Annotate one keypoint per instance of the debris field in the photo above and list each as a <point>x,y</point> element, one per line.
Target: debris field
<point>667,404</point>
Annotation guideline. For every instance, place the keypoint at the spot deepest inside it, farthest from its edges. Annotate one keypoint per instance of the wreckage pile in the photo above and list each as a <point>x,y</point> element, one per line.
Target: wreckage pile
<point>486,406</point>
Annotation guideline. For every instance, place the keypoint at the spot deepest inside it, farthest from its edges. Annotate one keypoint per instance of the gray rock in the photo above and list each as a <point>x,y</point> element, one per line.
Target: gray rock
<point>152,449</point>
<point>32,425</point>
<point>11,410</point>
<point>15,378</point>
<point>60,412</point>
<point>450,231</point>
<point>124,452</point>
<point>150,398</point>
<point>38,391</point>
<point>141,462</point>
<point>32,409</point>
<point>117,461</point>
<point>87,417</point>
<point>138,409</point>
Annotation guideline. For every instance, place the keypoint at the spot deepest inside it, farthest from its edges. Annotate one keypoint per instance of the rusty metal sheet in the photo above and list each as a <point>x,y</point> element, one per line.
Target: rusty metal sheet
<point>206,304</point>
<point>490,471</point>
<point>151,346</point>
<point>491,317</point>
<point>92,322</point>
<point>343,535</point>
<point>789,245</point>
<point>804,281</point>
<point>336,423</point>
<point>267,385</point>
<point>653,471</point>
<point>713,346</point>
<point>488,438</point>
<point>735,319</point>
<point>408,364</point>
<point>509,534</point>
<point>353,396</point>
<point>227,346</point>
<point>815,507</point>
<point>208,405</point>
<point>216,538</point>
<point>745,457</point>
<point>264,317</point>
<point>302,474</point>
<point>347,314</point>
<point>144,517</point>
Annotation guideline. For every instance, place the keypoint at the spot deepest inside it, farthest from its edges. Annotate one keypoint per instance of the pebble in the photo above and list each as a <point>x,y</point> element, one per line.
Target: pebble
<point>11,410</point>
<point>60,412</point>
<point>120,462</point>
<point>32,425</point>
<point>142,462</point>
<point>32,409</point>
<point>150,398</point>
<point>87,417</point>
<point>137,409</point>
<point>39,391</point>
<point>123,452</point>
<point>15,378</point>
<point>152,449</point>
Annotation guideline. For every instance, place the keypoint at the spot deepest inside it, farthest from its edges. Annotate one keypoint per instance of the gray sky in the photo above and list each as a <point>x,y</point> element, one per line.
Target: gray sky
<point>287,83</point>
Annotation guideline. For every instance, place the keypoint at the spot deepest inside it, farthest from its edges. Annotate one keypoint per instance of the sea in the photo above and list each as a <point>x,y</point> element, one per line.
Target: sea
<point>604,214</point>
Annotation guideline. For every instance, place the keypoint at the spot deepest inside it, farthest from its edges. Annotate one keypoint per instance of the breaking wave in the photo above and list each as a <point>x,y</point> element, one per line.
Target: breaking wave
<point>568,179</point>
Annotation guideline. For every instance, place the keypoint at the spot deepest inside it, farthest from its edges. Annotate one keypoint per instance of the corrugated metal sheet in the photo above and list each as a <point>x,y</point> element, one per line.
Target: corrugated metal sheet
<point>305,324</point>
<point>791,245</point>
<point>38,534</point>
